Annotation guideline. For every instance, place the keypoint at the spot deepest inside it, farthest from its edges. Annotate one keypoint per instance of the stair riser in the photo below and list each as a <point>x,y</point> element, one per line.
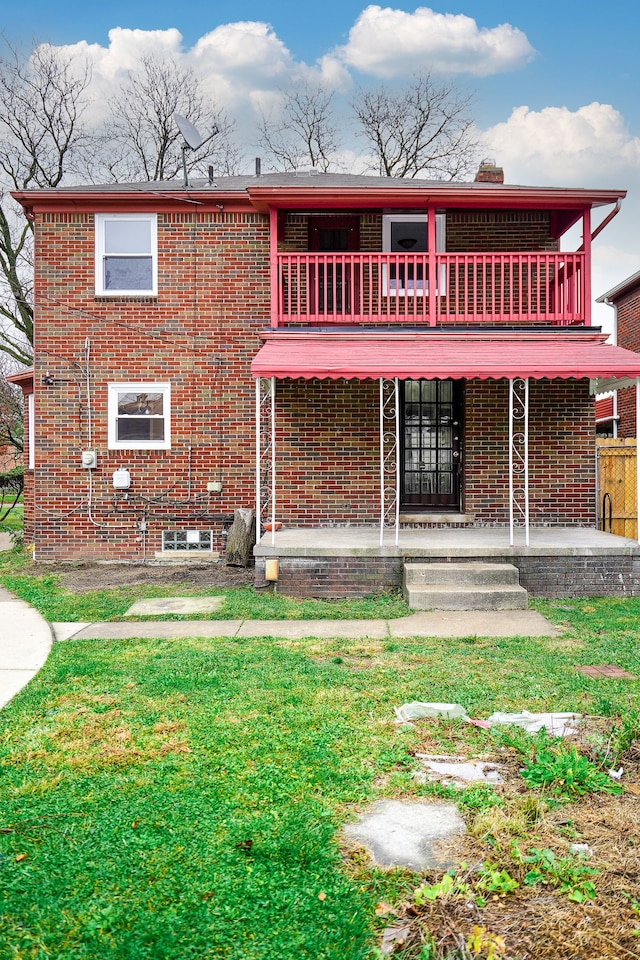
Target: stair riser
<point>469,599</point>
<point>459,573</point>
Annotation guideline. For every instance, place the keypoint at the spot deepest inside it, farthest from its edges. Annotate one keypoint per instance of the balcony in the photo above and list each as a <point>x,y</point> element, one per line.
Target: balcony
<point>429,289</point>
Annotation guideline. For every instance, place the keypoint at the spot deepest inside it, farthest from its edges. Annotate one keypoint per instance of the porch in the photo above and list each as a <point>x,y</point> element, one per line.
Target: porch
<point>351,561</point>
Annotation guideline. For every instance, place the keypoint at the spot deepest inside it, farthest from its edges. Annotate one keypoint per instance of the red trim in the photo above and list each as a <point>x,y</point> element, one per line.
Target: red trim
<point>321,197</point>
<point>23,379</point>
<point>434,355</point>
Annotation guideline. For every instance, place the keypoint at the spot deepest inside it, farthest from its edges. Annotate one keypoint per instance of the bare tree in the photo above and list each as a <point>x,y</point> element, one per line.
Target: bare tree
<point>11,408</point>
<point>41,134</point>
<point>304,133</point>
<point>423,129</point>
<point>142,141</point>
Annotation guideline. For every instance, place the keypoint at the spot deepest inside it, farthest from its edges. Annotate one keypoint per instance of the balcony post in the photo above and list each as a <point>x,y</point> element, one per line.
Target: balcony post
<point>433,277</point>
<point>273,264</point>
<point>586,270</point>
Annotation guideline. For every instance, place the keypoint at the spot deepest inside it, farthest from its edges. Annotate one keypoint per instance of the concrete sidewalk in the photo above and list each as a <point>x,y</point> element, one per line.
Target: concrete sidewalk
<point>25,643</point>
<point>500,623</point>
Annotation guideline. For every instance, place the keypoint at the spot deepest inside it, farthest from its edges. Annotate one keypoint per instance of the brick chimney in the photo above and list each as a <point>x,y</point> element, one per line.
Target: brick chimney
<point>488,172</point>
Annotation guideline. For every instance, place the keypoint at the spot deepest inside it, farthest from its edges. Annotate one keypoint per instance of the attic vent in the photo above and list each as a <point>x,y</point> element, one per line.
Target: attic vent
<point>187,539</point>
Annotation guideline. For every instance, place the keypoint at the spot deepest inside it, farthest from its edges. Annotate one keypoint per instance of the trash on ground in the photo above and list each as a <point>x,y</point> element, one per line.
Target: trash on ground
<point>457,771</point>
<point>556,724</point>
<point>418,710</point>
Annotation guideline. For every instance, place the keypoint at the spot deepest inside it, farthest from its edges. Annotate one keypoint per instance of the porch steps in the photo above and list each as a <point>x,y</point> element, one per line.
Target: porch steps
<point>463,586</point>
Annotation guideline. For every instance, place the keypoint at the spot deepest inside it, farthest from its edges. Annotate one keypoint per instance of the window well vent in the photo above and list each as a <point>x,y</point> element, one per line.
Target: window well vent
<point>178,540</point>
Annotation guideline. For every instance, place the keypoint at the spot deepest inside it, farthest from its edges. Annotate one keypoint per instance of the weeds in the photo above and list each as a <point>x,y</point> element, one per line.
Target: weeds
<point>565,772</point>
<point>570,874</point>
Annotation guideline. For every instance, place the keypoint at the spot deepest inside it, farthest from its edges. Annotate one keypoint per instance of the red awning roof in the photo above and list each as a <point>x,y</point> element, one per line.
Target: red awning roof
<point>430,355</point>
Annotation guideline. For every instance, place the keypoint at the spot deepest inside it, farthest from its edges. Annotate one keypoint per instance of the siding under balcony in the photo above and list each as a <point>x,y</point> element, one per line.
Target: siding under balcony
<point>429,289</point>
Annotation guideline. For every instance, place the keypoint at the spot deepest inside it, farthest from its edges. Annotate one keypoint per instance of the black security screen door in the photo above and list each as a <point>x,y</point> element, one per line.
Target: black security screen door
<point>431,444</point>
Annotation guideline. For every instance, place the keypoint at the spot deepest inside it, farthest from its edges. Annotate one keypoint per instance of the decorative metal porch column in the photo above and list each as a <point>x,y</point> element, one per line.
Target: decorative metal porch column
<point>389,457</point>
<point>637,459</point>
<point>519,457</point>
<point>265,455</point>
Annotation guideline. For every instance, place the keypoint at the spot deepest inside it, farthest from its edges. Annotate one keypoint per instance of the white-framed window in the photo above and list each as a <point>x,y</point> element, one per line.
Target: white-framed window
<point>406,234</point>
<point>126,254</point>
<point>139,416</point>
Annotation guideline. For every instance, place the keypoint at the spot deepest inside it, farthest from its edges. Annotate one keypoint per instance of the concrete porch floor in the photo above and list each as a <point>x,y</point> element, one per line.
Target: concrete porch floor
<point>450,542</point>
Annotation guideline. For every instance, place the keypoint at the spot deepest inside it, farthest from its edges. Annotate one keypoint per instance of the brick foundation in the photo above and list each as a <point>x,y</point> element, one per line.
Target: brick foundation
<point>542,576</point>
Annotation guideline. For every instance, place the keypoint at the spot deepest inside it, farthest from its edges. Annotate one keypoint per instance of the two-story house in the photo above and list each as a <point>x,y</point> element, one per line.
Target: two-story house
<point>381,367</point>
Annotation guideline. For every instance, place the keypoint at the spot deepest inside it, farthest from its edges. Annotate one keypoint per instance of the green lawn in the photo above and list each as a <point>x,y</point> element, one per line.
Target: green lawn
<point>46,592</point>
<point>182,799</point>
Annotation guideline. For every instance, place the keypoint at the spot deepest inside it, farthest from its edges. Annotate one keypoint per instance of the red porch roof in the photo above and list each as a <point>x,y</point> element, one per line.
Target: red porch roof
<point>434,355</point>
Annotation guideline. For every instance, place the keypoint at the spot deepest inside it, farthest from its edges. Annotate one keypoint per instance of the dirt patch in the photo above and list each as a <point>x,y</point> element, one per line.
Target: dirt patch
<point>591,841</point>
<point>106,576</point>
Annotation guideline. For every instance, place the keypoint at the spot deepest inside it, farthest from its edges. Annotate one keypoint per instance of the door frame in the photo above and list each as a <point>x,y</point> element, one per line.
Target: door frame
<point>428,503</point>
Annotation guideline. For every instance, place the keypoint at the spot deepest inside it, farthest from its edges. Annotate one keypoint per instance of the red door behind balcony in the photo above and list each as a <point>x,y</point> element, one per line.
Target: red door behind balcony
<point>334,286</point>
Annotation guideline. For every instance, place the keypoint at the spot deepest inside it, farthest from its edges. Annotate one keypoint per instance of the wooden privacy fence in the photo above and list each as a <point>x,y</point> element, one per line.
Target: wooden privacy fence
<point>617,487</point>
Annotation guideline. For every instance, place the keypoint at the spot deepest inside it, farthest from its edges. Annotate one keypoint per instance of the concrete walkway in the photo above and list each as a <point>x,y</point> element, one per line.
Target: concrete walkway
<point>499,623</point>
<point>24,645</point>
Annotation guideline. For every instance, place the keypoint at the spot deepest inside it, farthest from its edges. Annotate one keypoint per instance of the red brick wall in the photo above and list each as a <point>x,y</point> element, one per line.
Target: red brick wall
<point>561,452</point>
<point>200,333</point>
<point>628,321</point>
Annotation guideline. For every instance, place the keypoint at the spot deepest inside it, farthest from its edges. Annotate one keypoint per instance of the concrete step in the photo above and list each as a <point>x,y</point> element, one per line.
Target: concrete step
<point>463,586</point>
<point>416,574</point>
<point>489,597</point>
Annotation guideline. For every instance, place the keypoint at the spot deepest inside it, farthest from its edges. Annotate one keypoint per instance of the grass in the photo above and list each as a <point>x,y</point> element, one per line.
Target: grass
<point>13,522</point>
<point>174,799</point>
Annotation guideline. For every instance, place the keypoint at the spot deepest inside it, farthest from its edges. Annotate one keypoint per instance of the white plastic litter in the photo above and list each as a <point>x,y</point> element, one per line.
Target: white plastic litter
<point>417,710</point>
<point>582,849</point>
<point>616,774</point>
<point>556,724</point>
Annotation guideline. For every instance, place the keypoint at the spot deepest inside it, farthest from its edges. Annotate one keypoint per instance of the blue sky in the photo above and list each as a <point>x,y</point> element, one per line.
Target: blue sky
<point>556,84</point>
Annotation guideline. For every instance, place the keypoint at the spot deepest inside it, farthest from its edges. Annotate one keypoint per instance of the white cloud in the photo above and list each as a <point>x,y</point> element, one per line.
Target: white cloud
<point>585,147</point>
<point>391,43</point>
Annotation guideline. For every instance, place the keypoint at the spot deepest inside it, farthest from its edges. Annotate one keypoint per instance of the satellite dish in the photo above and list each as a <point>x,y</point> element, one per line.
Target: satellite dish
<point>192,139</point>
<point>189,132</point>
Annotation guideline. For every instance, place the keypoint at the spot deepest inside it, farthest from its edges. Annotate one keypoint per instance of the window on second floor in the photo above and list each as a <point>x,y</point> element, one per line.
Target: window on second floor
<point>126,255</point>
<point>406,233</point>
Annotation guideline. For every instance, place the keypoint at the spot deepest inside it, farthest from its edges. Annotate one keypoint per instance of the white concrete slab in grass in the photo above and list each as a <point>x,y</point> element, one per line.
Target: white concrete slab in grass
<point>157,606</point>
<point>399,834</point>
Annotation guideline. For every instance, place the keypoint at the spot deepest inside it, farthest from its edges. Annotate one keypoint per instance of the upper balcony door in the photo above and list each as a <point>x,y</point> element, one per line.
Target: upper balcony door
<point>334,286</point>
<point>431,444</point>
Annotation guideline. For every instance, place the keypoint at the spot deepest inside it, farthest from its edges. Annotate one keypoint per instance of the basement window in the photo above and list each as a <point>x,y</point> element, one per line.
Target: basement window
<point>126,254</point>
<point>139,416</point>
<point>201,540</point>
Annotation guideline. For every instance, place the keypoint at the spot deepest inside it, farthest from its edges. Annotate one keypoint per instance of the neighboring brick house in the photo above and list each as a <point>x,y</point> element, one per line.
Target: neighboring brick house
<point>422,353</point>
<point>625,300</point>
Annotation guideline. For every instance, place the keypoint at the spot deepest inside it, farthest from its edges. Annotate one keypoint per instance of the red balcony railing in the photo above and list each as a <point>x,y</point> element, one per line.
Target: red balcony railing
<point>348,288</point>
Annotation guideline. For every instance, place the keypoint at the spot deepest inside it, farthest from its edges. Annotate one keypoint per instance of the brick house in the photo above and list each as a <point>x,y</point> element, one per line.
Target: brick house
<point>620,407</point>
<point>354,357</point>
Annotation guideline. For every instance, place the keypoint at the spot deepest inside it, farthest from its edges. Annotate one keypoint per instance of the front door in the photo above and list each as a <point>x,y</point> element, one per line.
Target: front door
<point>431,444</point>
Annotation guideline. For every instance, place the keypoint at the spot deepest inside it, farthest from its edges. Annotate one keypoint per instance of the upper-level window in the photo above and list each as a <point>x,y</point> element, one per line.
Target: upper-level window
<point>126,254</point>
<point>139,416</point>
<point>406,233</point>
